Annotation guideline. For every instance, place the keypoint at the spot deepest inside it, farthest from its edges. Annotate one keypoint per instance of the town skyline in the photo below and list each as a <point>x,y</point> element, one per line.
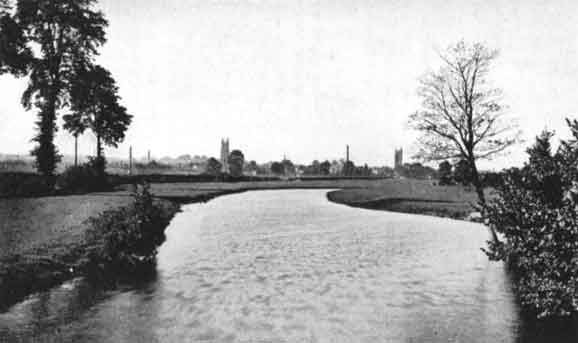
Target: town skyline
<point>277,78</point>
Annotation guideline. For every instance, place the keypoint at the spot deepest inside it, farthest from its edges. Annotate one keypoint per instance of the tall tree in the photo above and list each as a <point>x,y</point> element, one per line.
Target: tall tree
<point>288,167</point>
<point>277,168</point>
<point>95,105</point>
<point>325,168</point>
<point>213,167</point>
<point>57,35</point>
<point>461,115</point>
<point>445,173</point>
<point>236,163</point>
<point>348,168</point>
<point>463,172</point>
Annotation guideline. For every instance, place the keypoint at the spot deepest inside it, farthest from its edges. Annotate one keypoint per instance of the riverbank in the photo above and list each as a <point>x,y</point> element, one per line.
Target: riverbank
<point>411,196</point>
<point>42,239</point>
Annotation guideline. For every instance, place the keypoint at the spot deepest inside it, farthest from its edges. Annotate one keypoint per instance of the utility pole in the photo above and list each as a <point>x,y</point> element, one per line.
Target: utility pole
<point>149,157</point>
<point>346,168</point>
<point>76,150</point>
<point>130,161</point>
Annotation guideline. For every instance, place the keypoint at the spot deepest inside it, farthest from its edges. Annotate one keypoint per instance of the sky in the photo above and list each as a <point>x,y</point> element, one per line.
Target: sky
<point>305,78</point>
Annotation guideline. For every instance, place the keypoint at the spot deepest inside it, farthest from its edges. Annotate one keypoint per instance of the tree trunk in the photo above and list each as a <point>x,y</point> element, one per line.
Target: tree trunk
<point>46,152</point>
<point>480,191</point>
<point>100,162</point>
<point>98,147</point>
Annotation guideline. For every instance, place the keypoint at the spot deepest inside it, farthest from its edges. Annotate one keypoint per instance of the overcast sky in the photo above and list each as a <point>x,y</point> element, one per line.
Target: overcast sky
<point>305,78</point>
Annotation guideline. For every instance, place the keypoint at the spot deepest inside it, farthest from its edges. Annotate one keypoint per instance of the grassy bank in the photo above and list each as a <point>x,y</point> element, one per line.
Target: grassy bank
<point>411,196</point>
<point>44,240</point>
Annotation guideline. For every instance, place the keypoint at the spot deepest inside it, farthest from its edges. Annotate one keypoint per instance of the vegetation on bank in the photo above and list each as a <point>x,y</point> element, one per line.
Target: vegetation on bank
<point>124,240</point>
<point>536,213</point>
<point>114,242</point>
<point>412,196</point>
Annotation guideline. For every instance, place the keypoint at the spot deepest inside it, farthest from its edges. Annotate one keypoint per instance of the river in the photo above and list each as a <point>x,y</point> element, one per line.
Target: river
<point>289,266</point>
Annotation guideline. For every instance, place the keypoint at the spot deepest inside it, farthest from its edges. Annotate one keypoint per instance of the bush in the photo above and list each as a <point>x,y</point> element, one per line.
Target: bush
<point>537,214</point>
<point>24,185</point>
<point>87,177</point>
<point>125,239</point>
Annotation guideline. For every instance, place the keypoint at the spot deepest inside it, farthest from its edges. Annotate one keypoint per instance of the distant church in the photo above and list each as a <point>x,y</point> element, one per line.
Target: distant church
<point>225,156</point>
<point>398,158</point>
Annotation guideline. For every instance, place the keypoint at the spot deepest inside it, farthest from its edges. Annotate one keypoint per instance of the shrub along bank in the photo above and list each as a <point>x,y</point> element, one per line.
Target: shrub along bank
<point>536,212</point>
<point>125,240</point>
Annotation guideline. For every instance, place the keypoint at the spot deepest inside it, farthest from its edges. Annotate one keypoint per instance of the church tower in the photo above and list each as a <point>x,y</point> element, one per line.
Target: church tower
<point>225,156</point>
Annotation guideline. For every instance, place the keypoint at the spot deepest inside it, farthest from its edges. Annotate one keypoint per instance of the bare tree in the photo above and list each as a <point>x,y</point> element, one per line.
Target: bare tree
<point>461,115</point>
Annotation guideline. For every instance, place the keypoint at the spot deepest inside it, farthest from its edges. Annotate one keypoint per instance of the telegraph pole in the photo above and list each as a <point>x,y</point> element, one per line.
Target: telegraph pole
<point>130,161</point>
<point>76,150</point>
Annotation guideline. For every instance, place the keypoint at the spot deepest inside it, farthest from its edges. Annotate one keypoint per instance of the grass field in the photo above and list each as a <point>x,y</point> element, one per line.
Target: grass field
<point>412,196</point>
<point>32,224</point>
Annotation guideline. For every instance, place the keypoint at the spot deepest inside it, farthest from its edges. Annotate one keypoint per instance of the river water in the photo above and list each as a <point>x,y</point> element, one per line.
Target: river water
<point>289,266</point>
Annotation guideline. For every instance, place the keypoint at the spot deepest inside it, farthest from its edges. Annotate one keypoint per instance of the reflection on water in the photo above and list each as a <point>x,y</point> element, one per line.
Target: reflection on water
<point>288,266</point>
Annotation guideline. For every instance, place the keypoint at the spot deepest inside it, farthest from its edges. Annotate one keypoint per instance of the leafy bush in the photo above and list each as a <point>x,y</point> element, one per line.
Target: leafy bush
<point>124,239</point>
<point>24,184</point>
<point>88,177</point>
<point>537,214</point>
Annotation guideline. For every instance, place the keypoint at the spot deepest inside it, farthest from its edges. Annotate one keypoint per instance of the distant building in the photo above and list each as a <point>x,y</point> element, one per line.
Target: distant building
<point>225,156</point>
<point>398,158</point>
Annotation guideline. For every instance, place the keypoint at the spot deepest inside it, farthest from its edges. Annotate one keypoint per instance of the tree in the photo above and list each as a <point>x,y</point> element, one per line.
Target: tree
<point>95,105</point>
<point>463,172</point>
<point>236,163</point>
<point>64,33</point>
<point>325,168</point>
<point>461,116</point>
<point>348,168</point>
<point>277,168</point>
<point>213,167</point>
<point>288,167</point>
<point>252,168</point>
<point>445,173</point>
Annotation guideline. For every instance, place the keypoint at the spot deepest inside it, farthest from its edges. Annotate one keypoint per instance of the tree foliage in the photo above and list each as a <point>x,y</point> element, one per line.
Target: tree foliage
<point>95,106</point>
<point>236,163</point>
<point>277,168</point>
<point>15,55</point>
<point>537,214</point>
<point>288,167</point>
<point>325,168</point>
<point>463,172</point>
<point>213,167</point>
<point>445,173</point>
